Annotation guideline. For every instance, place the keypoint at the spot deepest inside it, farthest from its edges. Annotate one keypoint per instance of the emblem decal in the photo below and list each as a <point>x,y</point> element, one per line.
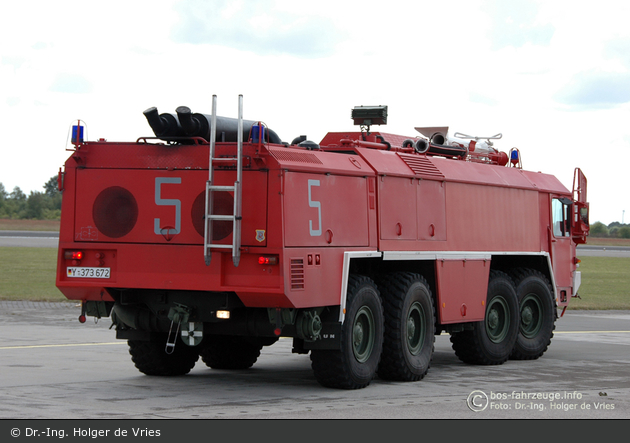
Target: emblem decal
<point>260,235</point>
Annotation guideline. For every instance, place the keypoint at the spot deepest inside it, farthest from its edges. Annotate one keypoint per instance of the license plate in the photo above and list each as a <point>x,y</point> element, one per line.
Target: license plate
<point>85,272</point>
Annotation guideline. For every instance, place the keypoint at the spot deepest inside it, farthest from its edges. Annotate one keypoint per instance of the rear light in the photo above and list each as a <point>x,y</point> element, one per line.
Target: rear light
<point>73,255</point>
<point>268,260</point>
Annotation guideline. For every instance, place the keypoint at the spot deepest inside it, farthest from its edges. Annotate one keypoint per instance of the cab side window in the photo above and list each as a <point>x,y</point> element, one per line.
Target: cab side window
<point>561,220</point>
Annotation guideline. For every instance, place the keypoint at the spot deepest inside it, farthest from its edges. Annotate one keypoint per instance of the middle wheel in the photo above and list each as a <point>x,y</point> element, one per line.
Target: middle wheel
<point>354,365</point>
<point>491,341</point>
<point>409,327</point>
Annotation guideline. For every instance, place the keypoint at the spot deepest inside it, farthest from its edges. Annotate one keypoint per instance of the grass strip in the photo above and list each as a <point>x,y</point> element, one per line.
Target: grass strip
<point>29,274</point>
<point>605,284</point>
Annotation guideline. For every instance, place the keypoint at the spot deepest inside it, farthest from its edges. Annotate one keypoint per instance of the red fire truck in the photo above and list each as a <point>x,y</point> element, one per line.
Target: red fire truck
<point>215,238</point>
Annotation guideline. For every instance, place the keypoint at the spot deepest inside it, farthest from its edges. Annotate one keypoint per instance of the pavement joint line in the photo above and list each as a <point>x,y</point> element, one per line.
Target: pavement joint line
<point>27,304</point>
<point>62,345</point>
<point>575,332</point>
<point>591,332</point>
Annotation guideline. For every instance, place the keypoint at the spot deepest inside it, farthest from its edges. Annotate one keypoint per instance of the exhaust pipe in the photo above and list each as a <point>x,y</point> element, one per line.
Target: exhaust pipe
<point>198,125</point>
<point>163,125</point>
<point>194,125</point>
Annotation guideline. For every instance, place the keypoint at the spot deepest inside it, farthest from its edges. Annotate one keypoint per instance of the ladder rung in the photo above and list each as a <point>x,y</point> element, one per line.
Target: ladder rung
<point>221,217</point>
<point>221,188</point>
<point>225,162</point>
<point>213,246</point>
<point>230,162</point>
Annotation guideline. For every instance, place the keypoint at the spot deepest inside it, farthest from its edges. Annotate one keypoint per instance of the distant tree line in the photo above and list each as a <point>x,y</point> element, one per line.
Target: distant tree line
<point>613,230</point>
<point>37,205</point>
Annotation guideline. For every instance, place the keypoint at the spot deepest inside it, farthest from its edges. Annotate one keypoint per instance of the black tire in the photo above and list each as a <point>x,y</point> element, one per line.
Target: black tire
<point>355,364</point>
<point>537,314</point>
<point>151,358</point>
<point>230,352</point>
<point>491,341</point>
<point>409,327</point>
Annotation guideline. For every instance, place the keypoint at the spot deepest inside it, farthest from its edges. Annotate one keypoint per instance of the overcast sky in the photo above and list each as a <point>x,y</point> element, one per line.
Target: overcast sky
<point>552,76</point>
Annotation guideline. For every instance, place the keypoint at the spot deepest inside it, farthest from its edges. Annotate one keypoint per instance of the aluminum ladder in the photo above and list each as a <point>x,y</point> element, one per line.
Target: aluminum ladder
<point>211,188</point>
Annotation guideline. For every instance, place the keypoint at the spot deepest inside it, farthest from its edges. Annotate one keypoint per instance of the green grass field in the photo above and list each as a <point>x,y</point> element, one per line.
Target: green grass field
<point>29,274</point>
<point>605,284</point>
<point>28,225</point>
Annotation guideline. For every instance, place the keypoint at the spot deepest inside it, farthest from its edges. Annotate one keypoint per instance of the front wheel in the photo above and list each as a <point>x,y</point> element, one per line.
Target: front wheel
<point>491,341</point>
<point>538,314</point>
<point>354,365</point>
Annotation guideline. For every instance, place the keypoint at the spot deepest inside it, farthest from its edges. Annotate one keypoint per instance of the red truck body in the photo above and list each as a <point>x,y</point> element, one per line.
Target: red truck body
<point>317,226</point>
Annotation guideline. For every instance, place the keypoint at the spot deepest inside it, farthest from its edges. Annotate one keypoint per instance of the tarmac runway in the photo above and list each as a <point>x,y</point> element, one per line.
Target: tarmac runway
<point>53,367</point>
<point>29,239</point>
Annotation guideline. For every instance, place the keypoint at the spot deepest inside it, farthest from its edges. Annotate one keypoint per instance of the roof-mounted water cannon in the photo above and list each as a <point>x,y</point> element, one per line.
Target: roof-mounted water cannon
<point>437,143</point>
<point>435,134</point>
<point>480,149</point>
<point>366,116</point>
<point>460,146</point>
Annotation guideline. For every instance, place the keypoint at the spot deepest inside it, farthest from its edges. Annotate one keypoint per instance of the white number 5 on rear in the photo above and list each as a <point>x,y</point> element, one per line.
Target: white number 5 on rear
<point>314,204</point>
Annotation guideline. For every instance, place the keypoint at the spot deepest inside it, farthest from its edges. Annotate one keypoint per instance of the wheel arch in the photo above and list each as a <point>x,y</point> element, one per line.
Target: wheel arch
<point>540,262</point>
<point>374,265</point>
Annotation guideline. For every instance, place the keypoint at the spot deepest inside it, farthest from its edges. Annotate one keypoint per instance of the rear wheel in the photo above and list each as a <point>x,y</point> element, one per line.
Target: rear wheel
<point>230,352</point>
<point>491,341</point>
<point>354,365</point>
<point>409,327</point>
<point>538,314</point>
<point>151,358</point>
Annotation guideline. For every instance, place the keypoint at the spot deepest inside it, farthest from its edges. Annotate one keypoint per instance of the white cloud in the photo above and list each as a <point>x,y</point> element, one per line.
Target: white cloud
<point>596,89</point>
<point>618,49</point>
<point>263,27</point>
<point>71,83</point>
<point>515,23</point>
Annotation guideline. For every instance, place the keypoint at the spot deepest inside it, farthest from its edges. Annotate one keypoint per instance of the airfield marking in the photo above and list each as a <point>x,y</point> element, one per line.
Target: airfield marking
<point>62,346</point>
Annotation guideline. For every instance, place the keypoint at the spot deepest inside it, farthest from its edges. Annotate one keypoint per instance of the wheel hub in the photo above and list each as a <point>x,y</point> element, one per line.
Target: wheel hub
<point>531,316</point>
<point>527,316</point>
<point>415,329</point>
<point>493,319</point>
<point>497,319</point>
<point>363,336</point>
<point>411,329</point>
<point>358,335</point>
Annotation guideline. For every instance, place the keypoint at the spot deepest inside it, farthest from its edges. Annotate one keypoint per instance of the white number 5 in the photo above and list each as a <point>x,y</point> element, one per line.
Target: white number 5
<point>314,204</point>
<point>167,202</point>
